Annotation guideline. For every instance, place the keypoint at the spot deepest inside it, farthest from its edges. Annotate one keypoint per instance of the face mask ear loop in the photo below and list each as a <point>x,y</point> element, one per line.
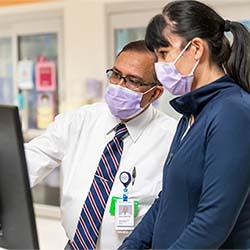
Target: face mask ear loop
<point>182,52</point>
<point>149,90</point>
<point>146,93</point>
<point>195,66</point>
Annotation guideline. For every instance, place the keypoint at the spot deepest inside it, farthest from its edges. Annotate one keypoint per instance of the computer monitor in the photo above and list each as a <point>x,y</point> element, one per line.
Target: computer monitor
<point>18,227</point>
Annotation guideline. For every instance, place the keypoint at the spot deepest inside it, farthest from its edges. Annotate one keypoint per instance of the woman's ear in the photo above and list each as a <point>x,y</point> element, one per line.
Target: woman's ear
<point>199,46</point>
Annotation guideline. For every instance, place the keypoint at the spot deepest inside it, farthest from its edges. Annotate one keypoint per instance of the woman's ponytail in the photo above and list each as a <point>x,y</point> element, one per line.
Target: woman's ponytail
<point>238,64</point>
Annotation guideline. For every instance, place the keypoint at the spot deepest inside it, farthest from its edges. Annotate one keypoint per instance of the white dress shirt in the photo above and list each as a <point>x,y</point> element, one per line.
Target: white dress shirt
<point>75,142</point>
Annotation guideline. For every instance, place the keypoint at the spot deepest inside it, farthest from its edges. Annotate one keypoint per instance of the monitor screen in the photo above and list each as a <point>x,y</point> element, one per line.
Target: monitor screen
<point>17,221</point>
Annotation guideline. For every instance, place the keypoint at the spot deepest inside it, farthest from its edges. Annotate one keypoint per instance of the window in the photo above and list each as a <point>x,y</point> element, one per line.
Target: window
<point>33,47</point>
<point>6,68</point>
<point>35,36</point>
<point>126,35</point>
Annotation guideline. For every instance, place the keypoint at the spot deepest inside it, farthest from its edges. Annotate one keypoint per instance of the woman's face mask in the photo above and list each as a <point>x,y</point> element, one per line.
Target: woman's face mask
<point>171,78</point>
<point>123,102</point>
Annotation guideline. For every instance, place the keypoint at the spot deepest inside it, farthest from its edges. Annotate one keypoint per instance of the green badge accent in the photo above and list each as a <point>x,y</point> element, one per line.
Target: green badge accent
<point>113,204</point>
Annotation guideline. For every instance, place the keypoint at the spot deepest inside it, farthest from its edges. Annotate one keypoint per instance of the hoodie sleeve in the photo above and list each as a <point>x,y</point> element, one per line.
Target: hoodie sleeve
<point>141,237</point>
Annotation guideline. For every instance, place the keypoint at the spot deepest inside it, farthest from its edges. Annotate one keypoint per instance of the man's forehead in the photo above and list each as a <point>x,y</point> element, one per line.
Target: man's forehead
<point>137,60</point>
<point>135,55</point>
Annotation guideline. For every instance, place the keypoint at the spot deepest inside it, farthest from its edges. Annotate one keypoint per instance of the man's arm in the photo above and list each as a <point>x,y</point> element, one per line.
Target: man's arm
<point>44,153</point>
<point>141,237</point>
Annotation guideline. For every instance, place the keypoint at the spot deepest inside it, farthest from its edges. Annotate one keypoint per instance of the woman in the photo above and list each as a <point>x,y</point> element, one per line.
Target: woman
<point>205,199</point>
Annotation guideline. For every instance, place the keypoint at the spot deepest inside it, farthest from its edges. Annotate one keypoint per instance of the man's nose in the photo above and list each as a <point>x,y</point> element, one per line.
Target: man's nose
<point>121,82</point>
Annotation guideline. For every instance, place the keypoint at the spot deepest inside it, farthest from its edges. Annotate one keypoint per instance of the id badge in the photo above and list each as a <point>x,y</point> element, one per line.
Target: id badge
<point>124,216</point>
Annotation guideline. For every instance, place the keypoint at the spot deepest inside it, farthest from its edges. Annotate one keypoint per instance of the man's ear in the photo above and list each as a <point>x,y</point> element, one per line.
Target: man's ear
<point>152,95</point>
<point>158,93</point>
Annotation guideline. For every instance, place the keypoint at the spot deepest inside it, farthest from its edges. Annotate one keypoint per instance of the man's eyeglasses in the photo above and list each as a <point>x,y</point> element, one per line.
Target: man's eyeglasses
<point>130,81</point>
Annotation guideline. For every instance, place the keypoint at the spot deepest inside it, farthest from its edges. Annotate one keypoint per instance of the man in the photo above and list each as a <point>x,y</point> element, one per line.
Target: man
<point>125,211</point>
<point>76,140</point>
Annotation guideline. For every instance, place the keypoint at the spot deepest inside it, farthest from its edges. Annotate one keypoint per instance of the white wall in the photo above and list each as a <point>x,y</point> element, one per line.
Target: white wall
<point>85,35</point>
<point>85,55</point>
<point>85,46</point>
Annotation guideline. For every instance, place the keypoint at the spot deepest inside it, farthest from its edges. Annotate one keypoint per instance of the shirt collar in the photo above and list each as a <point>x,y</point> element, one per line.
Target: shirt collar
<point>194,101</point>
<point>136,126</point>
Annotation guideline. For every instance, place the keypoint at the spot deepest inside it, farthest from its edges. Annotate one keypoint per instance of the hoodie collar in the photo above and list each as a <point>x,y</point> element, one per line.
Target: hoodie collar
<point>194,101</point>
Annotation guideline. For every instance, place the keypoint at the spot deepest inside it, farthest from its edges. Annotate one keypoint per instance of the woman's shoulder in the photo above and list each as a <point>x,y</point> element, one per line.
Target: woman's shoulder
<point>231,104</point>
<point>233,100</point>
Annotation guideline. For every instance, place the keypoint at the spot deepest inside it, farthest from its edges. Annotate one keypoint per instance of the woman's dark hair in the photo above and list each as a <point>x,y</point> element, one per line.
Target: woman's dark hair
<point>190,19</point>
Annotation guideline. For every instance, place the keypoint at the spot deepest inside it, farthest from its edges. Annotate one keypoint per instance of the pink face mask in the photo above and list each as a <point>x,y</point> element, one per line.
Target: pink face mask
<point>123,102</point>
<point>171,78</point>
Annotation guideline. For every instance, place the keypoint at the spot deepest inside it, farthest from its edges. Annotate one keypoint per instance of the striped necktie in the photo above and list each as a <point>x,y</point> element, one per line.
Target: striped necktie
<point>90,220</point>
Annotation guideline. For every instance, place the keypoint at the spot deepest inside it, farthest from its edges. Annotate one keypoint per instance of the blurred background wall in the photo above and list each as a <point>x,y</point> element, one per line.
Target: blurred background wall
<point>53,57</point>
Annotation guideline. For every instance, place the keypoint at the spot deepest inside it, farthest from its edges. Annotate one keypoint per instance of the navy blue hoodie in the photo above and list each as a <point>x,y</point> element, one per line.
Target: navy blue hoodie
<point>205,198</point>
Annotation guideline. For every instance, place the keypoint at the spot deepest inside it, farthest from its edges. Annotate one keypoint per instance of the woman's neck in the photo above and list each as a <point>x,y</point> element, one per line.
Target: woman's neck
<point>206,74</point>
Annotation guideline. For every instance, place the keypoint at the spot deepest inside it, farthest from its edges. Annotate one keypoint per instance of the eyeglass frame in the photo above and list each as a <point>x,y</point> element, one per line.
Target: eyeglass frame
<point>126,80</point>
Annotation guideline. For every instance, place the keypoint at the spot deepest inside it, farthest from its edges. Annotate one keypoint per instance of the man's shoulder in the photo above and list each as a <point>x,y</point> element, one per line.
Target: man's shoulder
<point>76,117</point>
<point>164,121</point>
<point>95,110</point>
